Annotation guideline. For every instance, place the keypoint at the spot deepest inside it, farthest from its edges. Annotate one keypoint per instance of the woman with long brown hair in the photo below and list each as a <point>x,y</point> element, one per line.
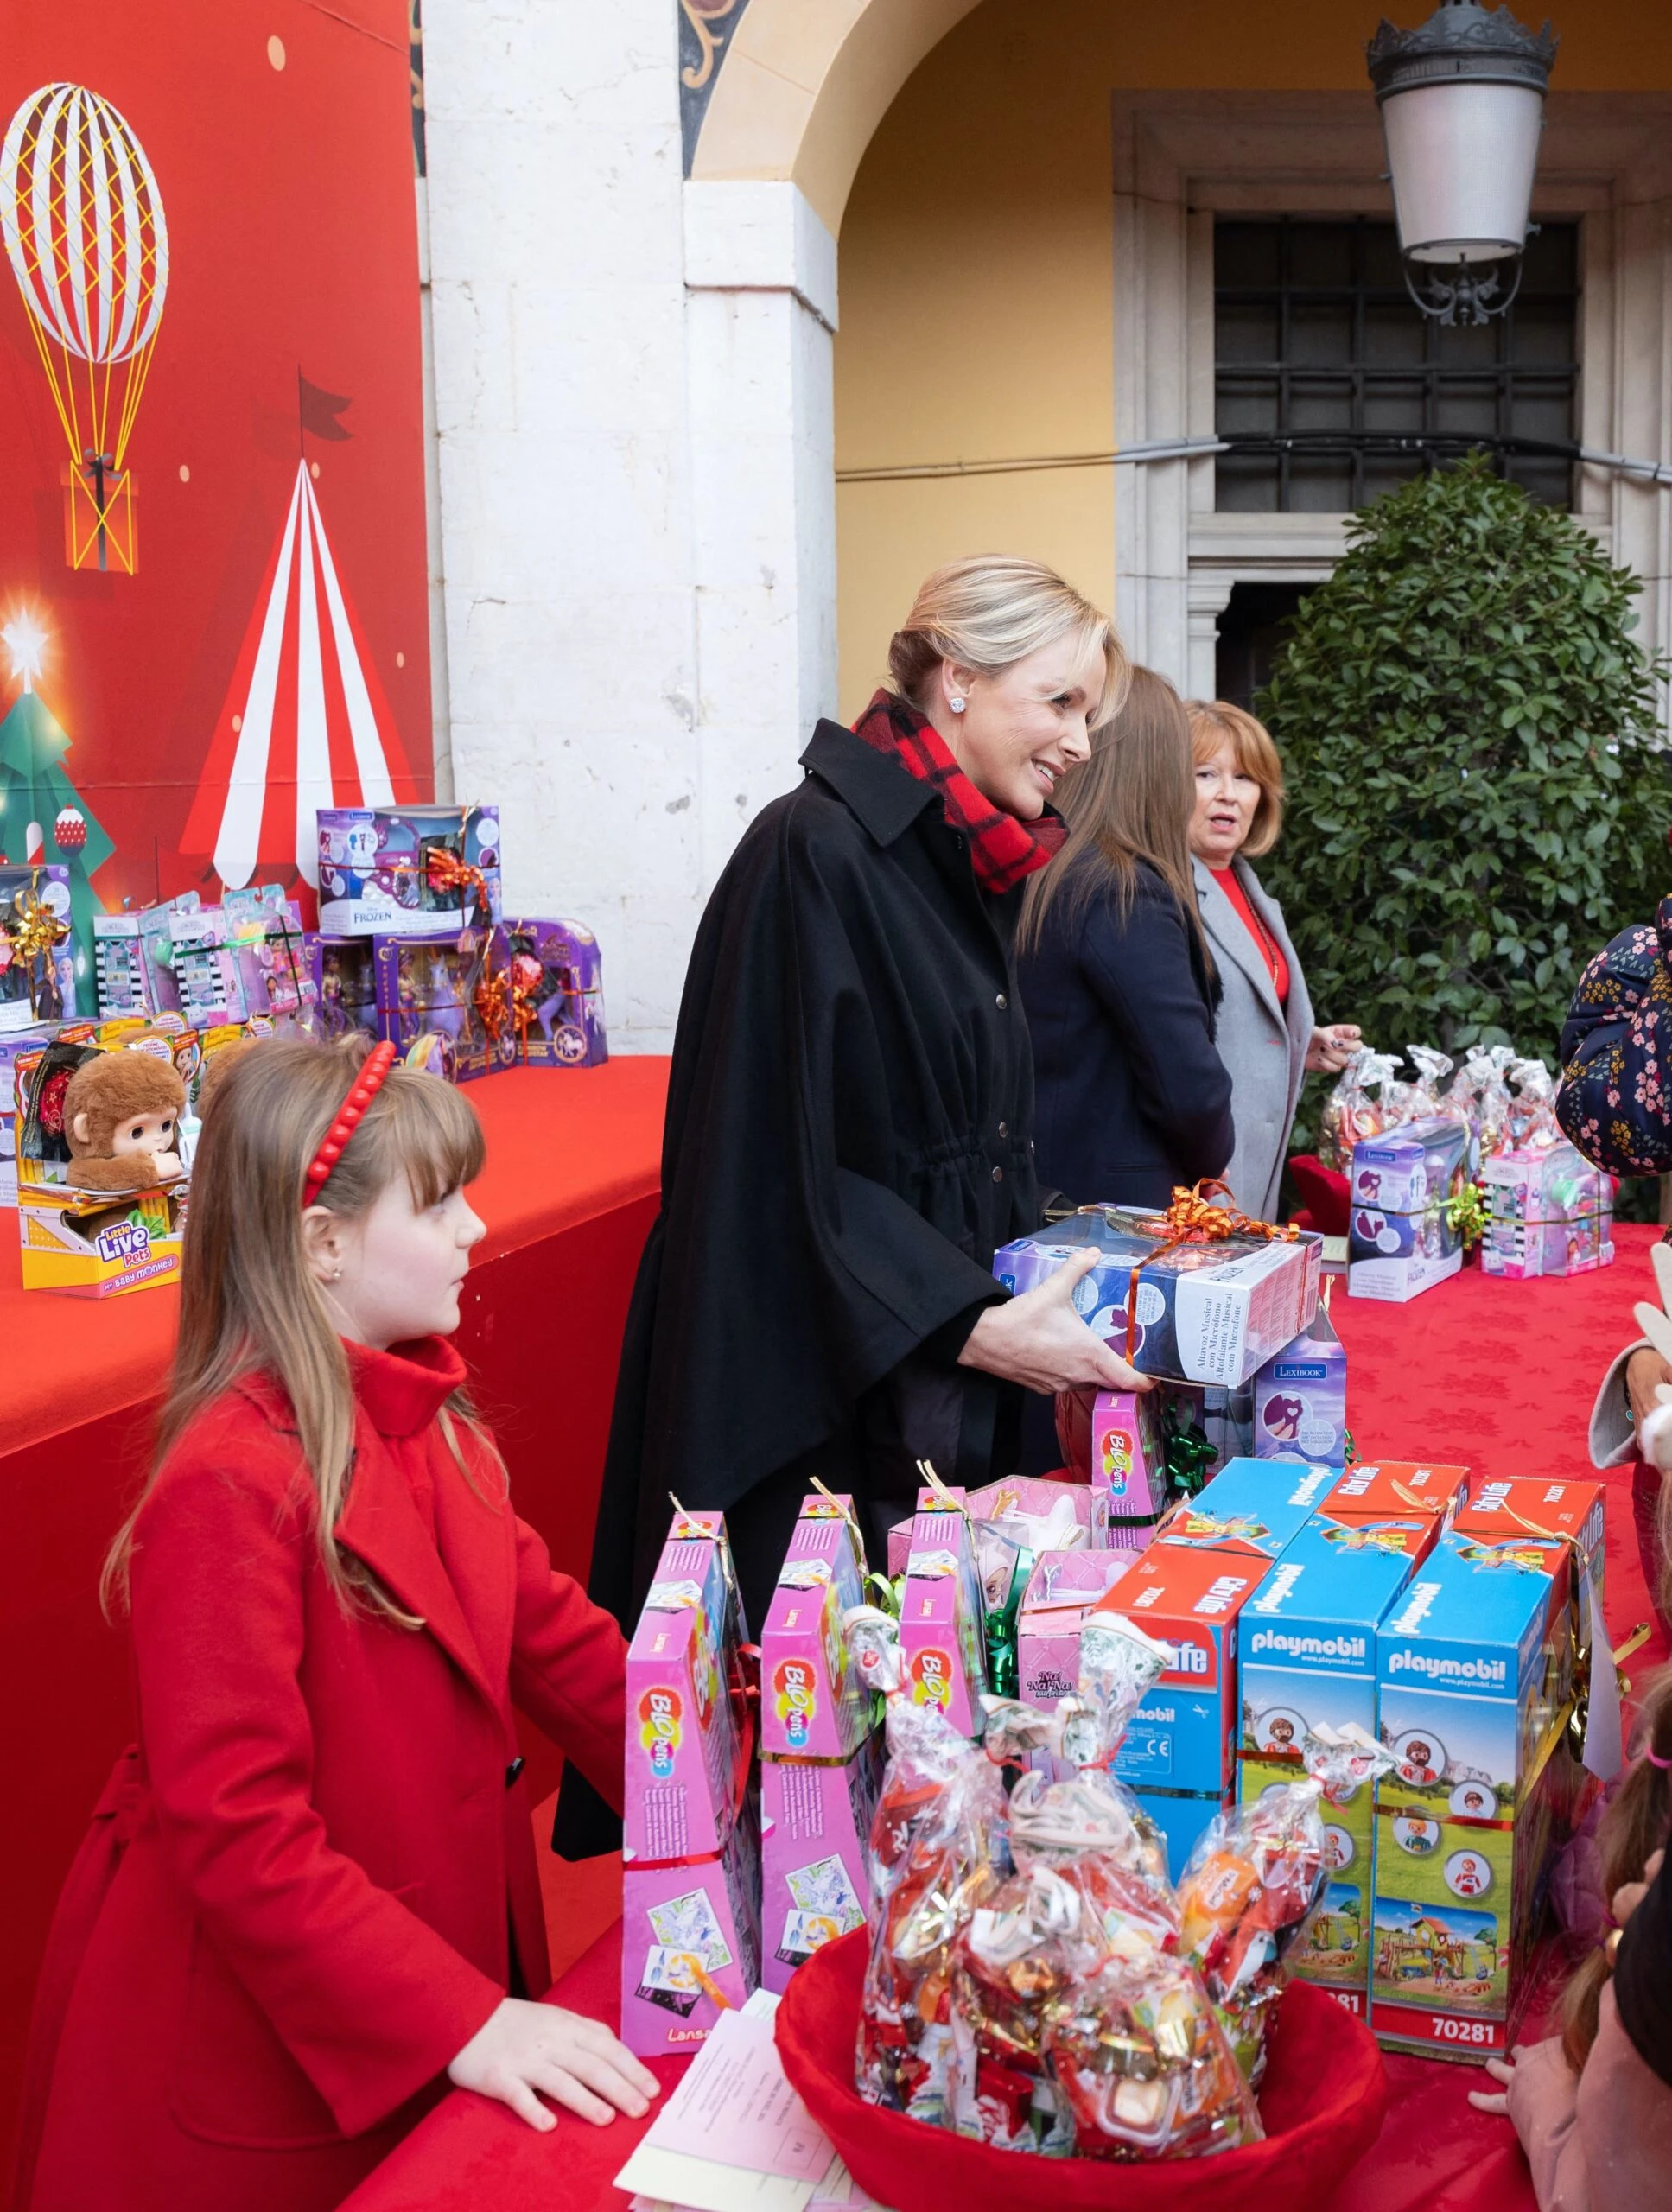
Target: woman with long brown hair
<point>1119,987</point>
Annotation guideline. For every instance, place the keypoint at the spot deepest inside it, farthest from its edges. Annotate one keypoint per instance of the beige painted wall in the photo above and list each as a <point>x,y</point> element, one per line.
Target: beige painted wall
<point>975,264</point>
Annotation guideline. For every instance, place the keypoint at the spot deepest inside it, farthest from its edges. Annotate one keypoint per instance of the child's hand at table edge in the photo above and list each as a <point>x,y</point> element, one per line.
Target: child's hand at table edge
<point>523,2048</point>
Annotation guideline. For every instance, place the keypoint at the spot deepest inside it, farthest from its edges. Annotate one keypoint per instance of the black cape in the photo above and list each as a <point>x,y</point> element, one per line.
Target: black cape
<point>848,1143</point>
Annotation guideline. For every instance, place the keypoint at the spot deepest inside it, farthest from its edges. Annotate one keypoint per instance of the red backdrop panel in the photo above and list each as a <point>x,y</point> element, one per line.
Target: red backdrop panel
<point>280,136</point>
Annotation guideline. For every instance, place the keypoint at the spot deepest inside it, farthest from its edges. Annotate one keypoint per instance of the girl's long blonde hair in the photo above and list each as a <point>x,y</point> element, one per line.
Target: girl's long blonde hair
<point>248,1300</point>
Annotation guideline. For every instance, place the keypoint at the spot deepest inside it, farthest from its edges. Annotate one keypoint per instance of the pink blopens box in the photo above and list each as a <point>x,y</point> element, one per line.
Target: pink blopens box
<point>941,1624</point>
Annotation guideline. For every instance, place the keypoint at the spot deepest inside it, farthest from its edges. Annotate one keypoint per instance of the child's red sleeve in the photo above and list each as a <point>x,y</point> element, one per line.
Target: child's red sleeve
<point>568,1670</point>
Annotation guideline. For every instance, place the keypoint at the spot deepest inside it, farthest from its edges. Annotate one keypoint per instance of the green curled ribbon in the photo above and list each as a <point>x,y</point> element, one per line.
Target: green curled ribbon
<point>1186,1451</point>
<point>1466,1215</point>
<point>1003,1671</point>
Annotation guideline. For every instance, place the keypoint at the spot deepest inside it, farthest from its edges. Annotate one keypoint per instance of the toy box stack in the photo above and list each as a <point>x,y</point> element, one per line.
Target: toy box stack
<point>37,953</point>
<point>820,1750</point>
<point>1473,1694</point>
<point>1401,1239</point>
<point>1549,1213</point>
<point>247,959</point>
<point>691,1844</point>
<point>941,1618</point>
<point>1300,1398</point>
<point>1203,1312</point>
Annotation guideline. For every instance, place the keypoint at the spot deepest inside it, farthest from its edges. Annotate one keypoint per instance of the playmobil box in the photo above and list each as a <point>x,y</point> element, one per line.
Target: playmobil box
<point>428,1004</point>
<point>1300,1398</point>
<point>1505,1507</point>
<point>1182,1739</point>
<point>941,1621</point>
<point>1114,1437</point>
<point>1376,1490</point>
<point>37,951</point>
<point>1309,1659</point>
<point>413,869</point>
<point>558,973</point>
<point>1400,1238</point>
<point>1250,1509</point>
<point>1202,1312</point>
<point>1486,1788</point>
<point>1549,1212</point>
<point>816,1818</point>
<point>690,1940</point>
<point>687,1726</point>
<point>1061,1590</point>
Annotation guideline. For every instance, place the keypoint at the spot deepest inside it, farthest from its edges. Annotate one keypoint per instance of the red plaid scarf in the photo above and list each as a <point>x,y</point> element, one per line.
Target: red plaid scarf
<point>1001,848</point>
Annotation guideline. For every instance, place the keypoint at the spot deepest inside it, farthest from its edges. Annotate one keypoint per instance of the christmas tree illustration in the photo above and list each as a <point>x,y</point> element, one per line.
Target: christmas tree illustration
<point>42,815</point>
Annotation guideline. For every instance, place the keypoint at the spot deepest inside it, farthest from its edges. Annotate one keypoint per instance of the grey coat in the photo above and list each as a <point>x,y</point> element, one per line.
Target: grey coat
<point>1262,1044</point>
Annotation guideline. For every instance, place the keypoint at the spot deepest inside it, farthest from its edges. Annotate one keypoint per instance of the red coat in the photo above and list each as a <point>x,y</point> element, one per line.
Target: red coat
<point>331,1863</point>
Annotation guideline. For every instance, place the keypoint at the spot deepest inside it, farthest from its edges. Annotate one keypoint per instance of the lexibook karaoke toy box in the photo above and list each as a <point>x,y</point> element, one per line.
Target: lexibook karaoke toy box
<point>820,1752</point>
<point>1178,1753</point>
<point>690,1898</point>
<point>942,1625</point>
<point>1202,1312</point>
<point>1401,1235</point>
<point>1300,1399</point>
<point>1251,1508</point>
<point>1474,1706</point>
<point>1309,1660</point>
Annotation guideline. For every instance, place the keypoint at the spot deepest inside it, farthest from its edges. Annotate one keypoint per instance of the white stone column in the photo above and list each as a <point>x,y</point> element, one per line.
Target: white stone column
<point>760,275</point>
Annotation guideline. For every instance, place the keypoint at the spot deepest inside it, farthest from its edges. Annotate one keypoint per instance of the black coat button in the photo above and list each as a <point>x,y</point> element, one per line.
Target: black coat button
<point>514,1769</point>
<point>998,1174</point>
<point>1004,1128</point>
<point>1002,1002</point>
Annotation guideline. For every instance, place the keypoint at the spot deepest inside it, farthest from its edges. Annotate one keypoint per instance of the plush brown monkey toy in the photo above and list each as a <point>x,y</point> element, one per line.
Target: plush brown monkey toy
<point>121,1111</point>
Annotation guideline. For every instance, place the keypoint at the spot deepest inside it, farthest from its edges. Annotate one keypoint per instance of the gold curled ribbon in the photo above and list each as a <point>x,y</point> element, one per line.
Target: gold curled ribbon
<point>1193,1218</point>
<point>36,932</point>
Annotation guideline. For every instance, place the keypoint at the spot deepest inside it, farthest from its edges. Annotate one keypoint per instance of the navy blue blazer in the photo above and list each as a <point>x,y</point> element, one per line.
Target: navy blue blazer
<point>1131,1096</point>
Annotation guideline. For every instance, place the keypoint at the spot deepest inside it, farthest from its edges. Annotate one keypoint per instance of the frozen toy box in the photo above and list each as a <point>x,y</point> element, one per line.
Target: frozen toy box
<point>1203,1312</point>
<point>1549,1213</point>
<point>1401,1239</point>
<point>414,869</point>
<point>1473,1708</point>
<point>691,1847</point>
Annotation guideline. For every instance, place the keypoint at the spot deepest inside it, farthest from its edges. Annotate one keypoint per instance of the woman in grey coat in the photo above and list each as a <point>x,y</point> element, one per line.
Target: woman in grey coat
<point>1266,1034</point>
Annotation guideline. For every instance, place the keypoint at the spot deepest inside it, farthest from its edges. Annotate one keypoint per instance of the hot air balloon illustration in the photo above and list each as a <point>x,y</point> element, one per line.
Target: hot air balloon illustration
<point>82,221</point>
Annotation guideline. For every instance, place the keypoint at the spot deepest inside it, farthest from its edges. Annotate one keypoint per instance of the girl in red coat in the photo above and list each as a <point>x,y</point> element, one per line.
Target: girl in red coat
<point>310,1898</point>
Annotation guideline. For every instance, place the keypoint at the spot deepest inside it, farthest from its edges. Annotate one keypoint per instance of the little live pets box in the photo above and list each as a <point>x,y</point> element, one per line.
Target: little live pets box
<point>391,869</point>
<point>1204,1313</point>
<point>691,1850</point>
<point>821,1757</point>
<point>1300,1398</point>
<point>1309,1658</point>
<point>1181,1742</point>
<point>1400,1241</point>
<point>1486,1791</point>
<point>566,999</point>
<point>1550,1213</point>
<point>941,1621</point>
<point>38,985</point>
<point>1251,1508</point>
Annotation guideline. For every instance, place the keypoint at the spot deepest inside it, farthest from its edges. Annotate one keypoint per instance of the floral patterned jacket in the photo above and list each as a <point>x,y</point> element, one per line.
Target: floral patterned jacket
<point>1613,1099</point>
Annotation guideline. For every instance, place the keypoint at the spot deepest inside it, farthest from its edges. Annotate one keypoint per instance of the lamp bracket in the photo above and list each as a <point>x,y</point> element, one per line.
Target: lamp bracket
<point>1465,299</point>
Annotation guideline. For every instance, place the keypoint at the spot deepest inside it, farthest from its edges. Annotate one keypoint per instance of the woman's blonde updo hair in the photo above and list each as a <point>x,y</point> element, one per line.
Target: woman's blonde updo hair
<point>987,612</point>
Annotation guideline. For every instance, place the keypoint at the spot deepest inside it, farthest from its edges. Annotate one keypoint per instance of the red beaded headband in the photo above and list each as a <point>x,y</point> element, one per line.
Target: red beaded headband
<point>365,1087</point>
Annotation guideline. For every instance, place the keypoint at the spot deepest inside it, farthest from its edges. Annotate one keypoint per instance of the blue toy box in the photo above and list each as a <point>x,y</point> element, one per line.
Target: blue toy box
<point>1252,1508</point>
<point>1204,1313</point>
<point>1400,1240</point>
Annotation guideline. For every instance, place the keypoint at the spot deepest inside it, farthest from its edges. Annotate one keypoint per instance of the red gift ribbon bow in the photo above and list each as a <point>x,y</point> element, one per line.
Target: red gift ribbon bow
<point>1191,1217</point>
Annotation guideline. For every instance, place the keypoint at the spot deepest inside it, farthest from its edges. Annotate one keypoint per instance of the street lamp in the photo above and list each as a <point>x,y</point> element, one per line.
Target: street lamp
<point>1462,103</point>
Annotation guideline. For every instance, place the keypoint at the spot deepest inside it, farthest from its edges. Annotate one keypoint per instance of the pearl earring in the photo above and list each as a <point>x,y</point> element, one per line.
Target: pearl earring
<point>955,704</point>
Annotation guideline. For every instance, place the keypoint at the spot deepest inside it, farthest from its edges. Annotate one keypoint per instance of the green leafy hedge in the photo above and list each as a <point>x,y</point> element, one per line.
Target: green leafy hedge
<point>1477,798</point>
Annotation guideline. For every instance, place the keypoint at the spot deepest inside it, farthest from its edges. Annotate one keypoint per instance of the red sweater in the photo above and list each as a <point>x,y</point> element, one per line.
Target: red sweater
<point>331,1862</point>
<point>1269,950</point>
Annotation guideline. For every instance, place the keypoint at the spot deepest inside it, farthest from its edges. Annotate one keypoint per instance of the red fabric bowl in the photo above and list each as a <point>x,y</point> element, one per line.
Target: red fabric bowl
<point>1321,2100</point>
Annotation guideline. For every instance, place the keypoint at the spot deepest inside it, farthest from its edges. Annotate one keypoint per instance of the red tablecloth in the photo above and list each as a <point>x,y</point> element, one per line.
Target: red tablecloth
<point>1499,1375</point>
<point>568,1194</point>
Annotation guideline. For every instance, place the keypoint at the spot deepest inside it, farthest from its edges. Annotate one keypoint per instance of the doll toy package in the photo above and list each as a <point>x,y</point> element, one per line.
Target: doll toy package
<point>37,952</point>
<point>348,984</point>
<point>1300,1398</point>
<point>691,1840</point>
<point>556,991</point>
<point>1549,1213</point>
<point>820,1755</point>
<point>1474,1706</point>
<point>1401,1237</point>
<point>1309,1661</point>
<point>1202,1312</point>
<point>133,970</point>
<point>427,994</point>
<point>101,1189</point>
<point>411,870</point>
